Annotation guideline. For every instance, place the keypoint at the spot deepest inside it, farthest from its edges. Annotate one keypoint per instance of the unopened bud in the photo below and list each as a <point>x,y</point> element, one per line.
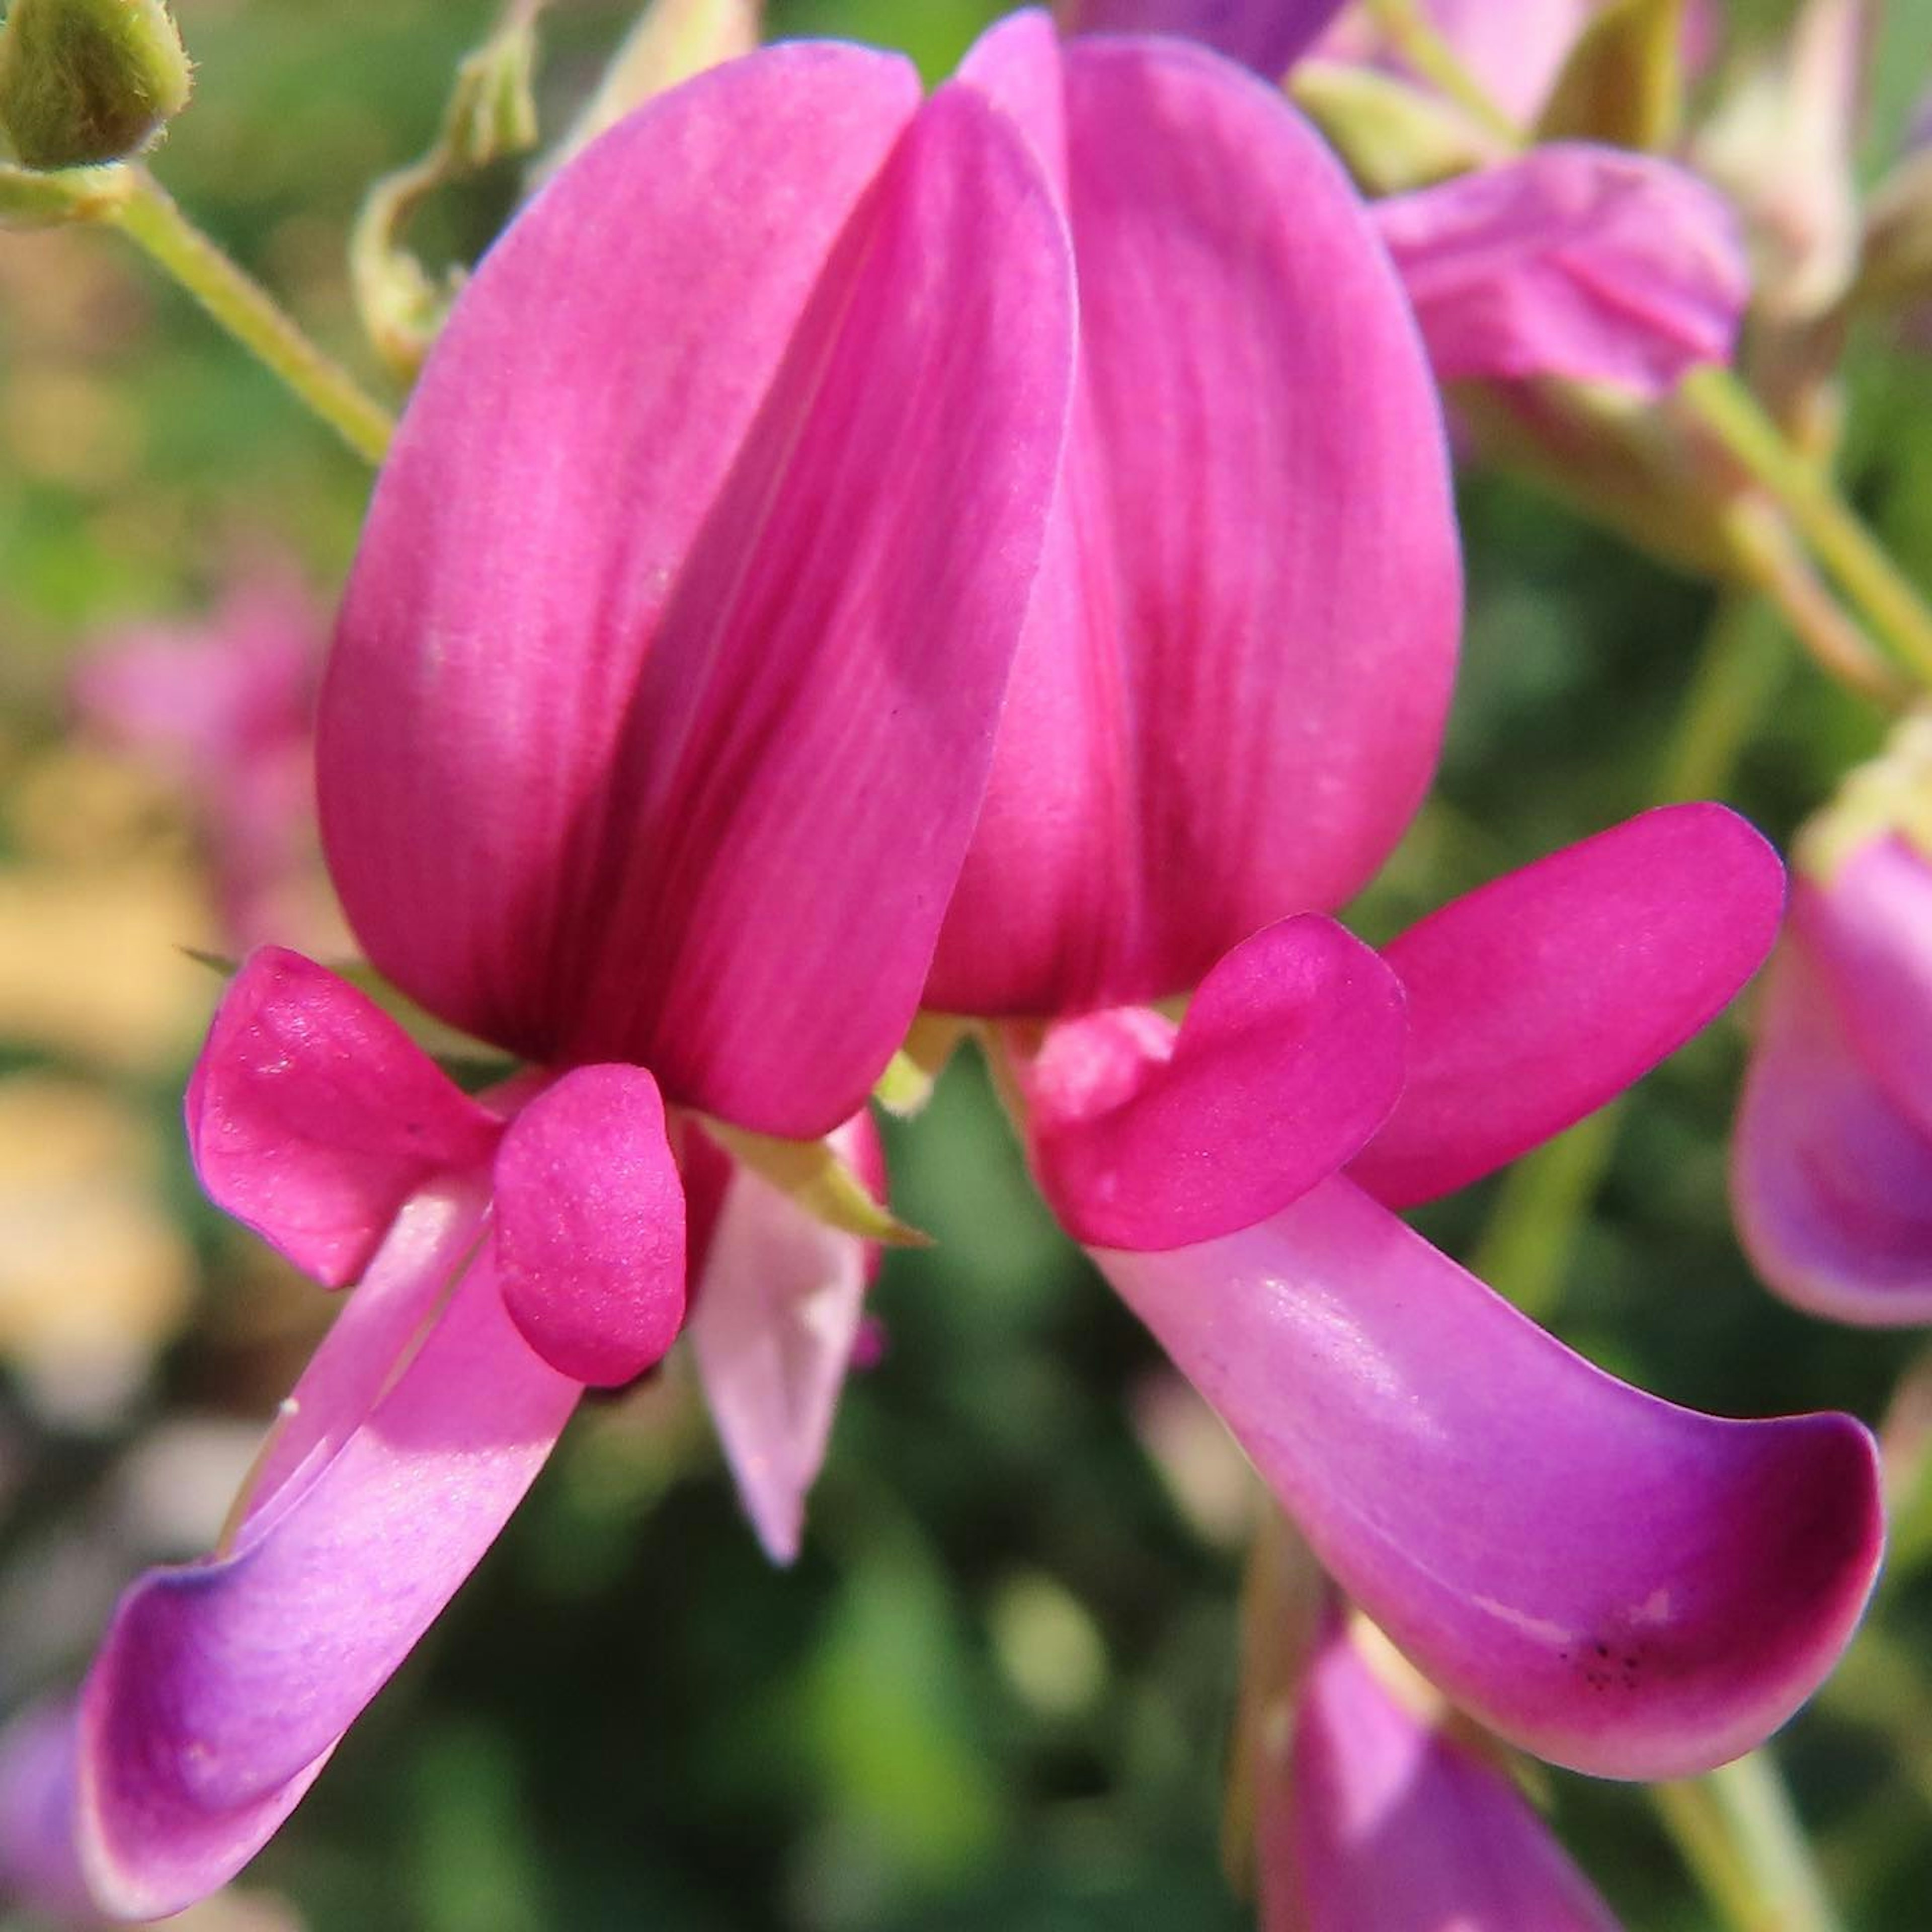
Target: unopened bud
<point>87,81</point>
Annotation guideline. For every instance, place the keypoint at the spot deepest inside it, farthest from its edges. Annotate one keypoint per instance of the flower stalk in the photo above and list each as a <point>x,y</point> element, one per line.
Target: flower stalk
<point>150,218</point>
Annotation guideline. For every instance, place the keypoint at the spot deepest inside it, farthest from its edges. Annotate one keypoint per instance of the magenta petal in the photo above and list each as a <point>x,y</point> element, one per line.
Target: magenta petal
<point>1538,997</point>
<point>1267,35</point>
<point>312,1116</point>
<point>773,1326</point>
<point>1574,261</point>
<point>222,1687</point>
<point>1382,1822</point>
<point>1230,693</point>
<point>1831,1181</point>
<point>590,1226</point>
<point>1612,1582</point>
<point>657,727</point>
<point>1290,1057</point>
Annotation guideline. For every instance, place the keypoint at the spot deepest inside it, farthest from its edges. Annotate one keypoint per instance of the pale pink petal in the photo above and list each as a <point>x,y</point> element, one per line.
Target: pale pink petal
<point>653,714</point>
<point>1267,35</point>
<point>381,1320</point>
<point>1536,998</point>
<point>1290,1057</point>
<point>1515,48</point>
<point>1868,932</point>
<point>223,1687</point>
<point>312,1116</point>
<point>1612,1582</point>
<point>1831,1181</point>
<point>774,1327</point>
<point>1378,1820</point>
<point>1230,695</point>
<point>1585,263</point>
<point>590,1232</point>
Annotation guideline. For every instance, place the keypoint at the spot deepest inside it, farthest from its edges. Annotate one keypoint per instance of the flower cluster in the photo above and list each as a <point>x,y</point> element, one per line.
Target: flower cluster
<point>853,555</point>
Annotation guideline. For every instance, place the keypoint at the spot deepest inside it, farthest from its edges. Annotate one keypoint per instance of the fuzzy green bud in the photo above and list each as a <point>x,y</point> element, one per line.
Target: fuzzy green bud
<point>83,82</point>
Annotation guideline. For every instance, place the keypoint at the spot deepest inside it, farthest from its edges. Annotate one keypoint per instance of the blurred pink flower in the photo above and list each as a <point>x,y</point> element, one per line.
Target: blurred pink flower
<point>228,707</point>
<point>1374,1816</point>
<point>652,740</point>
<point>1832,1162</point>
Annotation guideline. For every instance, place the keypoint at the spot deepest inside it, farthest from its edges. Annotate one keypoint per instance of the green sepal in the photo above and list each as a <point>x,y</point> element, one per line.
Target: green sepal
<point>1624,81</point>
<point>819,1183</point>
<point>908,1082</point>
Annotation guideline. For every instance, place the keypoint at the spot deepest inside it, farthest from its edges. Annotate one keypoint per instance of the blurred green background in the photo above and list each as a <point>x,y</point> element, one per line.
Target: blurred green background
<point>995,1691</point>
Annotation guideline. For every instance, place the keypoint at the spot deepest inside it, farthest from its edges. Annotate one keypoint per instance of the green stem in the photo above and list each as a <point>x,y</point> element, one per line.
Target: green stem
<point>1715,400</point>
<point>1737,1831</point>
<point>1546,1194</point>
<point>150,219</point>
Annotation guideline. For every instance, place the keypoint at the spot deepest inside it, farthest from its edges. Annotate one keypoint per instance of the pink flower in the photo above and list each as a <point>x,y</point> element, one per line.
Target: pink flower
<point>1617,1584</point>
<point>1571,260</point>
<point>1832,1162</point>
<point>652,739</point>
<point>1226,704</point>
<point>1376,1816</point>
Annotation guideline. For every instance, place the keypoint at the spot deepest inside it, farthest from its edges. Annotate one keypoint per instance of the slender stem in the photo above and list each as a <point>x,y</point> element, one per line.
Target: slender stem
<point>1738,1833</point>
<point>1715,400</point>
<point>1546,1194</point>
<point>149,218</point>
<point>1543,1198</point>
<point>1778,568</point>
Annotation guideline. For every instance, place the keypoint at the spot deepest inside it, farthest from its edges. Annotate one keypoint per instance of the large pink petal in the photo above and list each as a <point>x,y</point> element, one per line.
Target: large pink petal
<point>1574,261</point>
<point>1831,1182</point>
<point>1536,998</point>
<point>1290,1057</point>
<point>1377,1820</point>
<point>1229,697</point>
<point>590,1230</point>
<point>1267,35</point>
<point>312,1116</point>
<point>656,725</point>
<point>773,1324</point>
<point>223,1687</point>
<point>1868,931</point>
<point>1615,1583</point>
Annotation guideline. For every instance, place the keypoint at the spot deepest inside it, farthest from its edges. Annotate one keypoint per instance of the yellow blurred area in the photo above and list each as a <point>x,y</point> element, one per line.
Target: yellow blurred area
<point>94,1275</point>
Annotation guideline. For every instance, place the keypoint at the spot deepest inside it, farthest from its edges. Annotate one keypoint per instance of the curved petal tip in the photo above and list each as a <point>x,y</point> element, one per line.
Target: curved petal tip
<point>1615,1583</point>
